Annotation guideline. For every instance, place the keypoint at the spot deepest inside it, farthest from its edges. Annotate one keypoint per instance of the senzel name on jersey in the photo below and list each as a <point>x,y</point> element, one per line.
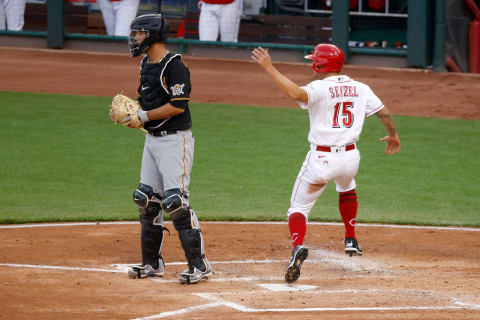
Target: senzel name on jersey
<point>343,91</point>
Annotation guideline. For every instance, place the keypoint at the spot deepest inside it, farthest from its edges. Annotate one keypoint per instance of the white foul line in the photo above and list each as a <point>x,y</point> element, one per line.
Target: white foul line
<point>373,225</point>
<point>35,266</point>
<point>67,224</point>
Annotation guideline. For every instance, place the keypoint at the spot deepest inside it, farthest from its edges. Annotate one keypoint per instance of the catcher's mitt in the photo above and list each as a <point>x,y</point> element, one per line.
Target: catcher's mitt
<point>124,110</point>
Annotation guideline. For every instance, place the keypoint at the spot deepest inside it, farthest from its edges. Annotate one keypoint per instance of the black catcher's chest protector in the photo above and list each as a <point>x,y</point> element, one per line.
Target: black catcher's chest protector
<point>153,90</point>
<point>167,81</point>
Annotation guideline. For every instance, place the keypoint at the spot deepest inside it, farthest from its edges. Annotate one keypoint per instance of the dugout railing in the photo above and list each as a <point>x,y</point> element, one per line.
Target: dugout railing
<point>80,26</point>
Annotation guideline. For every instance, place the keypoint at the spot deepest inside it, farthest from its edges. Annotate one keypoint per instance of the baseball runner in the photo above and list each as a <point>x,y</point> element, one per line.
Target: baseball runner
<point>167,160</point>
<point>219,16</point>
<point>337,106</point>
<point>117,15</point>
<point>12,14</point>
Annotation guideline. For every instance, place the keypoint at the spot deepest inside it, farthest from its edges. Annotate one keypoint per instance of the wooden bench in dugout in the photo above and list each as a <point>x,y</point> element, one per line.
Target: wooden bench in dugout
<point>298,30</point>
<point>76,18</point>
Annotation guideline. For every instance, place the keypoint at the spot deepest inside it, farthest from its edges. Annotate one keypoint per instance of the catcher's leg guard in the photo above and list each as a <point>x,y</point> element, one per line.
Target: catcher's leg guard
<point>186,223</point>
<point>198,266</point>
<point>148,202</point>
<point>151,240</point>
<point>151,220</point>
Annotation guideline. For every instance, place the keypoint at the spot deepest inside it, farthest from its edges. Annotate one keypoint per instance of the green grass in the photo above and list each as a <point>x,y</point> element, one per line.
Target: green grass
<point>62,159</point>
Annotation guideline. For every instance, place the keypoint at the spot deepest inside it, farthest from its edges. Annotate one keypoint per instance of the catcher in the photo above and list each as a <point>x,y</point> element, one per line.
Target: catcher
<point>168,153</point>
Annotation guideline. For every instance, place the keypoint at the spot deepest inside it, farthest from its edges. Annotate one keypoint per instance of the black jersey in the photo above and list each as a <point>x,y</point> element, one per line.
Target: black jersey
<point>167,81</point>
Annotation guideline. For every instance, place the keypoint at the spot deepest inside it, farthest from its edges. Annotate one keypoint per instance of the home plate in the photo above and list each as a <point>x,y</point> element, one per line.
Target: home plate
<point>286,287</point>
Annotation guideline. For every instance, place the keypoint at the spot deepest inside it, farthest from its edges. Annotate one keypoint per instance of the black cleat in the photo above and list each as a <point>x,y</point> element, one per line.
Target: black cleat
<point>191,276</point>
<point>146,271</point>
<point>299,254</point>
<point>352,248</point>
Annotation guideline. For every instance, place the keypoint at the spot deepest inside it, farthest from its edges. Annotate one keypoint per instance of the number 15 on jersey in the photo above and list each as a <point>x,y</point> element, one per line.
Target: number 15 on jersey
<point>342,115</point>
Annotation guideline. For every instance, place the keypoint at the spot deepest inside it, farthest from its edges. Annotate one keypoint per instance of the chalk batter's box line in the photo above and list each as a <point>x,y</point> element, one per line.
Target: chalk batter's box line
<point>123,266</point>
<point>219,302</point>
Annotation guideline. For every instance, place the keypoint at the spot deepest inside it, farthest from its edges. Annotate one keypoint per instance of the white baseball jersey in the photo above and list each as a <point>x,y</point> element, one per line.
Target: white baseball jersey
<point>337,107</point>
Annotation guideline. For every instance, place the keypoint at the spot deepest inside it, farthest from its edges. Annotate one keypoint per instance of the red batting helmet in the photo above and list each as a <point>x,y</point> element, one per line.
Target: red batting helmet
<point>327,58</point>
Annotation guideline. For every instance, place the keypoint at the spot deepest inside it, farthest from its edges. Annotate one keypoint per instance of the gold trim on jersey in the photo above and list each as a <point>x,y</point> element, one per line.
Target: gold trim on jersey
<point>176,99</point>
<point>164,81</point>
<point>184,165</point>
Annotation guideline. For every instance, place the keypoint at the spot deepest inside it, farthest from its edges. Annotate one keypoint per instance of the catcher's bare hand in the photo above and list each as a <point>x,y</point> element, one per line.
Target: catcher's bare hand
<point>127,122</point>
<point>110,114</point>
<point>393,144</point>
<point>262,57</point>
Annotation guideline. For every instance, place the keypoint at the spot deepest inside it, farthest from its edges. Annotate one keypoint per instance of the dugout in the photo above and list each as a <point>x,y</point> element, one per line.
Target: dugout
<point>401,33</point>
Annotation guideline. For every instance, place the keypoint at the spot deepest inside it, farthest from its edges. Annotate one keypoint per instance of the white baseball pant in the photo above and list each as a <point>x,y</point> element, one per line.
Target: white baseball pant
<point>118,15</point>
<point>318,169</point>
<point>223,18</point>
<point>12,14</point>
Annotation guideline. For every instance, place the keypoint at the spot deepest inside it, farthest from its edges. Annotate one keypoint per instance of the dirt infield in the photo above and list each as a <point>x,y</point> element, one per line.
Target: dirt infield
<point>77,271</point>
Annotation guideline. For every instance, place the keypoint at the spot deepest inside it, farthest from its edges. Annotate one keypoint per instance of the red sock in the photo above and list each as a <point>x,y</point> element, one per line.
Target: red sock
<point>298,226</point>
<point>348,204</point>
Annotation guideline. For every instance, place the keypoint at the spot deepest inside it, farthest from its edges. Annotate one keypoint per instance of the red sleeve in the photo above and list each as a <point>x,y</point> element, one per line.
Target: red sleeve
<point>217,1</point>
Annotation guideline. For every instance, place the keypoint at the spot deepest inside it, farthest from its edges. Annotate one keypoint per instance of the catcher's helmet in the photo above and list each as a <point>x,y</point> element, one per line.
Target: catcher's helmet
<point>156,28</point>
<point>327,58</point>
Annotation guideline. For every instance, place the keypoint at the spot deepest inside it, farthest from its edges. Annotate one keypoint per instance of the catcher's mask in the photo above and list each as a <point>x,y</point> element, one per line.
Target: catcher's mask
<point>156,30</point>
<point>327,58</point>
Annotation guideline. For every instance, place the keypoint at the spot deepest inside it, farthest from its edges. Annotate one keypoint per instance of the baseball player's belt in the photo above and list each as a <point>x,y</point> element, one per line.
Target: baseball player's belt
<point>161,133</point>
<point>348,147</point>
